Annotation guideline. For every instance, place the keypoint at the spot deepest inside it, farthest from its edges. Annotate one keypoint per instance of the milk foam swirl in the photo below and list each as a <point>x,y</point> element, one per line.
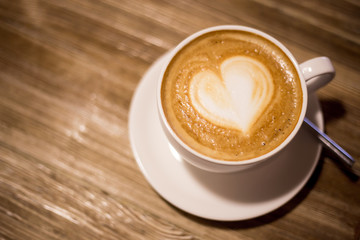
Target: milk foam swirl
<point>237,97</point>
<point>231,95</point>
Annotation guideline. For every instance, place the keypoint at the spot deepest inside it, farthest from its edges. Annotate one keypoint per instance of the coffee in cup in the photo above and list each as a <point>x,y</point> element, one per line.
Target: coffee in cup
<point>231,95</point>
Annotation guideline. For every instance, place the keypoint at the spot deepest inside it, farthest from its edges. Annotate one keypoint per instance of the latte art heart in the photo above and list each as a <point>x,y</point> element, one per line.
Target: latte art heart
<point>231,95</point>
<point>237,97</point>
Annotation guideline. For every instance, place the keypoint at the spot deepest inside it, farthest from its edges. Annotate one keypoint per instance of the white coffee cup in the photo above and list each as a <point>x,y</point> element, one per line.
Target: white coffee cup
<point>313,74</point>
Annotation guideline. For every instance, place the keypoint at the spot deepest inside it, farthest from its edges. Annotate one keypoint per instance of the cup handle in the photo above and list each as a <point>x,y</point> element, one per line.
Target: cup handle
<point>317,72</point>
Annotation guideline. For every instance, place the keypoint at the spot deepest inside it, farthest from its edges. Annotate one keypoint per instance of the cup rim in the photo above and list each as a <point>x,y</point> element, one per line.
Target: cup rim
<point>257,159</point>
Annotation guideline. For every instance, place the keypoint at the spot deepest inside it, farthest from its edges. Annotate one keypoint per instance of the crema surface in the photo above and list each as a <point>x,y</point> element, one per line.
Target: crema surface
<point>231,95</point>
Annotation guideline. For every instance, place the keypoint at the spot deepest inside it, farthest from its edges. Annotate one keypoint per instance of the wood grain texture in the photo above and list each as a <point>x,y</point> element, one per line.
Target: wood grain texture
<point>68,70</point>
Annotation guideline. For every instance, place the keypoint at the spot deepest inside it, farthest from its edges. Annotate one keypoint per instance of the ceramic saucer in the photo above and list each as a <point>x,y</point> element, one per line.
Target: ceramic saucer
<point>225,197</point>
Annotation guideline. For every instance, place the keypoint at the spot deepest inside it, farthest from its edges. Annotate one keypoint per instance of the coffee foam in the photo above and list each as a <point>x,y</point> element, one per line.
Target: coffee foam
<point>231,95</point>
<point>237,97</point>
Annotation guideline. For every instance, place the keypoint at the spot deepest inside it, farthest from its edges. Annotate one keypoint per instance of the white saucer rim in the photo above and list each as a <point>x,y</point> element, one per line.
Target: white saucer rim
<point>294,191</point>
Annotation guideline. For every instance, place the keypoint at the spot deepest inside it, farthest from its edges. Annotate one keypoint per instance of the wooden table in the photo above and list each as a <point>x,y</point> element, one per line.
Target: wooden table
<point>68,71</point>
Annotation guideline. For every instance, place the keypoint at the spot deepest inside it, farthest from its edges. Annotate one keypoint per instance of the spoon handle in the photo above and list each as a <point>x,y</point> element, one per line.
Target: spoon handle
<point>345,157</point>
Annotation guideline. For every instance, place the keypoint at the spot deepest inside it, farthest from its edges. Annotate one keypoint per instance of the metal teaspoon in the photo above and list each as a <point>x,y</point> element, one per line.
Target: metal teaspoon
<point>327,142</point>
